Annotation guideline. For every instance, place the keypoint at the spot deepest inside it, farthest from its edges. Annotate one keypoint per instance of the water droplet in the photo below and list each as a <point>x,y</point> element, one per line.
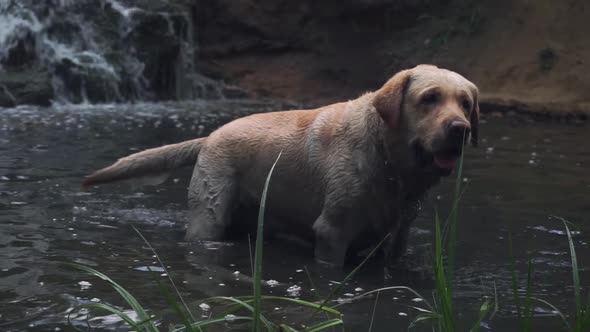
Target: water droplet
<point>149,268</point>
<point>84,285</point>
<point>272,283</point>
<point>294,291</point>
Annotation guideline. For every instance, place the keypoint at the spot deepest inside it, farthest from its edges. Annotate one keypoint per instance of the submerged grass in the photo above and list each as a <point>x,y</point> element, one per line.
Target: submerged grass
<point>441,312</point>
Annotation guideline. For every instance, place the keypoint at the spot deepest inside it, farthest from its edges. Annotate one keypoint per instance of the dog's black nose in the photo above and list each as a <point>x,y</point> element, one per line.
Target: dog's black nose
<point>458,132</point>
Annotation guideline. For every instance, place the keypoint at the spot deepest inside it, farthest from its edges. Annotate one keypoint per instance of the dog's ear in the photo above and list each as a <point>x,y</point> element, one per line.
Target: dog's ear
<point>474,120</point>
<point>388,100</point>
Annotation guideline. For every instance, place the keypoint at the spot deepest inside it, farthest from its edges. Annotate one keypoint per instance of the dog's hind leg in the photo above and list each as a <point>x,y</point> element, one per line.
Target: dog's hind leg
<point>212,196</point>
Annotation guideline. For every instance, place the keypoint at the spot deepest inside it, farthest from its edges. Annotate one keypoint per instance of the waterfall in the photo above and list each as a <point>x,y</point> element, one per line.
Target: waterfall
<point>100,50</point>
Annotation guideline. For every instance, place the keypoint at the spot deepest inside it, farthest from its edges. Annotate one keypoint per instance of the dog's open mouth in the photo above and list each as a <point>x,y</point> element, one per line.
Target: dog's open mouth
<point>445,161</point>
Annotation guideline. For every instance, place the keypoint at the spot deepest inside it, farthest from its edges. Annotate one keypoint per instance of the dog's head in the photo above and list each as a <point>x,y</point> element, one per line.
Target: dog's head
<point>436,110</point>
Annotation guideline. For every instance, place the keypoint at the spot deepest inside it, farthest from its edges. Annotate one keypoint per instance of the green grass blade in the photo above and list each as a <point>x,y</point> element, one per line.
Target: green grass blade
<point>575,269</point>
<point>528,310</point>
<point>496,303</point>
<point>258,251</point>
<point>360,296</point>
<point>213,321</point>
<point>453,228</point>
<point>582,317</point>
<point>303,303</point>
<point>424,317</point>
<point>311,284</point>
<point>313,288</point>
<point>483,311</point>
<point>561,315</point>
<point>182,314</point>
<point>444,296</point>
<point>324,325</point>
<point>139,310</point>
<point>373,313</point>
<point>250,253</point>
<point>586,316</point>
<point>446,228</point>
<point>186,308</point>
<point>287,328</point>
<point>107,308</point>
<point>268,325</point>
<point>514,278</point>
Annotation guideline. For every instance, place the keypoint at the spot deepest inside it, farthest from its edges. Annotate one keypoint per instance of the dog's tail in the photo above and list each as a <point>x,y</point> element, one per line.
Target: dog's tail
<point>149,165</point>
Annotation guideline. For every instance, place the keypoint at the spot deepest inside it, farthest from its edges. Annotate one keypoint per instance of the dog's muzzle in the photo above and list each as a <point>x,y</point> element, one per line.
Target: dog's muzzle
<point>446,150</point>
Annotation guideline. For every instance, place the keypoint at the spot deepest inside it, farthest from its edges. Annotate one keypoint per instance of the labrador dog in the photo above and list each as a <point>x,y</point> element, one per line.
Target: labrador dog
<point>349,172</point>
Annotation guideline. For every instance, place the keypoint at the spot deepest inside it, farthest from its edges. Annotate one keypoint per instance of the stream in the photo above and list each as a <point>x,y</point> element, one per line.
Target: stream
<point>525,171</point>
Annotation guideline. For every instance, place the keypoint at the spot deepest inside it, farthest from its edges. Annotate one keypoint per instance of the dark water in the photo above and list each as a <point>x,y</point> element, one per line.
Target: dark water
<point>524,171</point>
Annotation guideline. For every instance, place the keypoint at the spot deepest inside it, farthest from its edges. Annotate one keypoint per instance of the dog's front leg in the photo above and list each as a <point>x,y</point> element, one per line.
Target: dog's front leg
<point>398,244</point>
<point>394,248</point>
<point>333,235</point>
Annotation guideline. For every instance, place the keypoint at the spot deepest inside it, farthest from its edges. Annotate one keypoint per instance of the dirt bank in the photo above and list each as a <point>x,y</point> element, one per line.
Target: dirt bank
<point>525,54</point>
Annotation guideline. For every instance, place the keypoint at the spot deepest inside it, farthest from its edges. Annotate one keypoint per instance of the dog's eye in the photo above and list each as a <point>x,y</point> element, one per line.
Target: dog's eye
<point>466,105</point>
<point>430,98</point>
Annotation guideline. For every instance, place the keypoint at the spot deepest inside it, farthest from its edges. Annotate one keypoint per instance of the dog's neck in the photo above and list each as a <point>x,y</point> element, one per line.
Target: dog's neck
<point>395,158</point>
<point>400,164</point>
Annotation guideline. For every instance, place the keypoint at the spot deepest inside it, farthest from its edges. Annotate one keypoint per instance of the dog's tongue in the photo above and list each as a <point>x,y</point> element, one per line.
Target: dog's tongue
<point>445,162</point>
